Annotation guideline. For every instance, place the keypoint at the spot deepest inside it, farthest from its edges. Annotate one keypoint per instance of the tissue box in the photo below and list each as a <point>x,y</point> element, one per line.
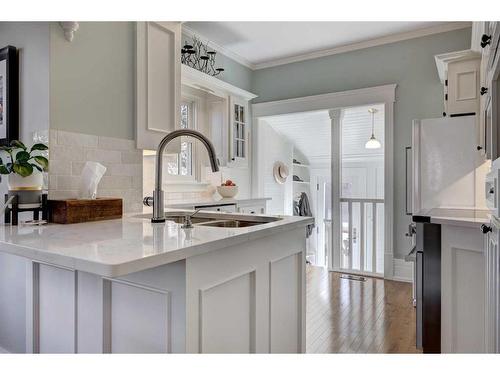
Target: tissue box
<point>70,211</point>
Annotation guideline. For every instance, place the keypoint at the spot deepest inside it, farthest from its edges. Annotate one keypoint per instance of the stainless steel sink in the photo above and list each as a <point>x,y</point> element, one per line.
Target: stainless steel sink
<point>231,223</point>
<point>215,219</point>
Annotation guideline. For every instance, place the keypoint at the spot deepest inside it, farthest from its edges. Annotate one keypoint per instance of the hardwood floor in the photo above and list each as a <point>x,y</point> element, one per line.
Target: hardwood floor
<point>347,316</point>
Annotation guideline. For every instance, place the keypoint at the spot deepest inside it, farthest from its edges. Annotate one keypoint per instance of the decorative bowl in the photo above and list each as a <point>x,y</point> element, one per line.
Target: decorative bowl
<point>227,191</point>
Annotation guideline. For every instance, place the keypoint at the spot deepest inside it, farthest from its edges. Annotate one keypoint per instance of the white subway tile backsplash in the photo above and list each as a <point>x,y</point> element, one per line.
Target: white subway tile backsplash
<point>123,179</point>
<point>76,139</point>
<point>125,170</point>
<point>103,156</point>
<point>132,157</point>
<point>52,137</point>
<point>60,167</point>
<point>77,167</point>
<point>73,153</point>
<point>108,143</point>
<point>68,182</point>
<point>116,182</point>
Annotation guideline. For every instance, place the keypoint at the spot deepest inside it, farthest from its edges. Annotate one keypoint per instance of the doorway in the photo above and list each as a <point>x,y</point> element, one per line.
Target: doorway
<point>334,104</point>
<point>360,247</point>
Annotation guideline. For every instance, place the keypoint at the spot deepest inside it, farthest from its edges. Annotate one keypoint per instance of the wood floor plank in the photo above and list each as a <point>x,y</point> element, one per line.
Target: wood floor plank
<point>349,316</point>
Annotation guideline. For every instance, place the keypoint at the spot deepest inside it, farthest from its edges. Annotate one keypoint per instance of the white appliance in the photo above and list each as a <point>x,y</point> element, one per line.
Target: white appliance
<point>446,172</point>
<point>446,165</point>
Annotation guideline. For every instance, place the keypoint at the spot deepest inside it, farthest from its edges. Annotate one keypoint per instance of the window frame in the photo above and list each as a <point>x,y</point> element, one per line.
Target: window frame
<point>192,124</point>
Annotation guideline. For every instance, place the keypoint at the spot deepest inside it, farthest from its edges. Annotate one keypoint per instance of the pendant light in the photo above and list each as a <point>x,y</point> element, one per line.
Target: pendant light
<point>373,143</point>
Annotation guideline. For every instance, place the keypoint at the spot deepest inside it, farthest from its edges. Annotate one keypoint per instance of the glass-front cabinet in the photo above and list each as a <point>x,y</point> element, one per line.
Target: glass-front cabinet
<point>238,131</point>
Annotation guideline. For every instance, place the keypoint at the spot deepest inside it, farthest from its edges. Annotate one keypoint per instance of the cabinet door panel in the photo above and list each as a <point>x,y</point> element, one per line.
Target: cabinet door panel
<point>463,87</point>
<point>158,81</point>
<point>228,316</point>
<point>56,310</point>
<point>140,319</point>
<point>285,324</point>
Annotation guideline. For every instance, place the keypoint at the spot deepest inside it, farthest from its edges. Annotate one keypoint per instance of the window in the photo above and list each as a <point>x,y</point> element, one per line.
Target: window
<point>181,164</point>
<point>239,131</point>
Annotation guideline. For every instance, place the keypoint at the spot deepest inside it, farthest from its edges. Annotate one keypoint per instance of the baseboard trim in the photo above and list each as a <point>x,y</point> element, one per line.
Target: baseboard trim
<point>403,271</point>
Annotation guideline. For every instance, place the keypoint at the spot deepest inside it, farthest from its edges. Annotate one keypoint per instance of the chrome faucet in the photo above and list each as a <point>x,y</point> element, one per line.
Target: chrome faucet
<point>157,200</point>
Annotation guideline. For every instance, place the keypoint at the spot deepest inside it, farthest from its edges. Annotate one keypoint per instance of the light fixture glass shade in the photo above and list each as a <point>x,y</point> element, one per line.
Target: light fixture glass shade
<point>373,143</point>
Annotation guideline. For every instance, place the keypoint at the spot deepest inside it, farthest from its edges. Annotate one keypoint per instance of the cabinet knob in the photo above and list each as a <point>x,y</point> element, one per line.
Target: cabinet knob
<point>491,191</point>
<point>483,90</point>
<point>485,40</point>
<point>485,229</point>
<point>479,148</point>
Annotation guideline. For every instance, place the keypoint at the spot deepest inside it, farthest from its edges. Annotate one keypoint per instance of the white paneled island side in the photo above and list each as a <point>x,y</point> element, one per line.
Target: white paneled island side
<point>129,286</point>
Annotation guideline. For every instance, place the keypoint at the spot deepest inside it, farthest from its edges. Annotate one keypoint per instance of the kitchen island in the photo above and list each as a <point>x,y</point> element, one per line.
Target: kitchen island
<point>129,286</point>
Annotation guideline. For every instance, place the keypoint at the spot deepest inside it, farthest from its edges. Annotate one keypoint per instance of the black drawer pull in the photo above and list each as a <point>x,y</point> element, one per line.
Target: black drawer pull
<point>483,90</point>
<point>485,40</point>
<point>479,148</point>
<point>485,229</point>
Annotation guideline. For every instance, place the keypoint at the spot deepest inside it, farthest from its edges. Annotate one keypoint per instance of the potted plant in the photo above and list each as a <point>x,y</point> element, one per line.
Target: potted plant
<point>24,169</point>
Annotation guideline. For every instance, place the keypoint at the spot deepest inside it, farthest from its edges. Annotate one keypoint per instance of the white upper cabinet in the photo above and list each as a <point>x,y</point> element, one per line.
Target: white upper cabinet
<point>486,40</point>
<point>238,131</point>
<point>158,81</point>
<point>463,88</point>
<point>459,73</point>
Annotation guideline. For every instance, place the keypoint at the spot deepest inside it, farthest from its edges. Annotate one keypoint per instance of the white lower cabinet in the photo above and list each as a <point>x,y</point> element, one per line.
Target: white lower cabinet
<point>462,289</point>
<point>245,298</point>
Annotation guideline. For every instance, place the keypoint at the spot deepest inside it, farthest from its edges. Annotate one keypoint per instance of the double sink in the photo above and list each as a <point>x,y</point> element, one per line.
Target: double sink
<point>220,220</point>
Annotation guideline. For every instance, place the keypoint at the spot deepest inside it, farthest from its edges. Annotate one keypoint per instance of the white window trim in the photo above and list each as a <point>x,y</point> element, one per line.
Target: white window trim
<point>194,178</point>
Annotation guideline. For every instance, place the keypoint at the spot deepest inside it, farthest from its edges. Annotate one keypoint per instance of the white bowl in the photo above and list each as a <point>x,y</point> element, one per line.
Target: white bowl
<point>227,191</point>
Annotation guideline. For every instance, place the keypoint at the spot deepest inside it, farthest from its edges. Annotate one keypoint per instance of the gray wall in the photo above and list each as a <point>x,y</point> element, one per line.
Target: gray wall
<point>409,63</point>
<point>92,79</point>
<point>32,40</point>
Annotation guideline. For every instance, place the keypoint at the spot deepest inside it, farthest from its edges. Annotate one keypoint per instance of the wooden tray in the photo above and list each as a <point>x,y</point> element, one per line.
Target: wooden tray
<point>70,211</point>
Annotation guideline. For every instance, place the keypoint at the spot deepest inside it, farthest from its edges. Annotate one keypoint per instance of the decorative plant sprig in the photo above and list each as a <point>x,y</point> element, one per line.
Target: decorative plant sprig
<point>22,162</point>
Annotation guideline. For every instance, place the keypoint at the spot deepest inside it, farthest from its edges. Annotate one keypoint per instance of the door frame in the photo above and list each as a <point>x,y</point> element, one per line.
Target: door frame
<point>333,102</point>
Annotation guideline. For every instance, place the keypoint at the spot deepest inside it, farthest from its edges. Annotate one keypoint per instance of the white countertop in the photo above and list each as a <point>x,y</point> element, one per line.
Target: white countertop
<point>469,217</point>
<point>114,248</point>
<point>182,204</point>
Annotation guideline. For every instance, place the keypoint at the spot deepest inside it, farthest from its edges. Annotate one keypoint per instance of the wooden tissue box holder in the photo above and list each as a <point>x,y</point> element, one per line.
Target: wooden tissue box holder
<point>71,211</point>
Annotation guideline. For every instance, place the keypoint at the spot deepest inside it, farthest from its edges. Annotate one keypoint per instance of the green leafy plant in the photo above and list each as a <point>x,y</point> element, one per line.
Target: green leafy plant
<point>22,161</point>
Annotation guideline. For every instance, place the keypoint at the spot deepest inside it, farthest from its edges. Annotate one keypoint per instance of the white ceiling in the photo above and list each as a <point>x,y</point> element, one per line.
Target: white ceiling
<point>263,42</point>
<point>310,132</point>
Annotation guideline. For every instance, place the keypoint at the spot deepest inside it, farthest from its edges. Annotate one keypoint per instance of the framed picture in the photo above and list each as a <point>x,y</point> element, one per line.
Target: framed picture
<point>9,95</point>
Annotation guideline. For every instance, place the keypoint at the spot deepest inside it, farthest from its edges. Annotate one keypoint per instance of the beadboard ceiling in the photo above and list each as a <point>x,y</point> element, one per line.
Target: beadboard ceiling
<point>258,44</point>
<point>310,132</point>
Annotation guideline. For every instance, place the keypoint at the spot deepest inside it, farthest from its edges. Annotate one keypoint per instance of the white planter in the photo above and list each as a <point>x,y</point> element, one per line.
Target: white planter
<point>27,189</point>
<point>32,182</point>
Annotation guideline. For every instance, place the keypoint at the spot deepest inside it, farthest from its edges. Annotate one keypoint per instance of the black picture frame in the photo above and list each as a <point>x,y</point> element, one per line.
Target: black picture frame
<point>9,95</point>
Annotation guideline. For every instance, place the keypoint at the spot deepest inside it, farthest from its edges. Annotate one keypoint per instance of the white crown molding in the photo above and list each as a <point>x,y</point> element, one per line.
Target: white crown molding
<point>226,52</point>
<point>444,59</point>
<point>366,44</point>
<point>393,38</point>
